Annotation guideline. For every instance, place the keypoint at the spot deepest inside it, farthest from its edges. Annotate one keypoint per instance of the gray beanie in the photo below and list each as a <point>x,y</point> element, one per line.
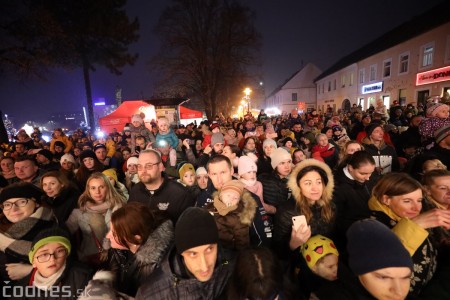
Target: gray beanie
<point>268,142</point>
<point>278,156</point>
<point>216,138</point>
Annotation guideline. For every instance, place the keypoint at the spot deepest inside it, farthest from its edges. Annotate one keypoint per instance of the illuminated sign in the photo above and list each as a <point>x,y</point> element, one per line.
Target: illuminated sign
<point>433,76</point>
<point>99,103</point>
<point>372,88</point>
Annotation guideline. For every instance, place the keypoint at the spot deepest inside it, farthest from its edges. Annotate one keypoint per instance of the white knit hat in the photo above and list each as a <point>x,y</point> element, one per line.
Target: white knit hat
<point>67,157</point>
<point>278,156</point>
<point>132,160</point>
<point>201,171</point>
<point>137,118</point>
<point>246,164</point>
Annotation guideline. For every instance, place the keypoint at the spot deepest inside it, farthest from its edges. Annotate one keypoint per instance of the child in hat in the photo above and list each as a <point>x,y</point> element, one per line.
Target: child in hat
<point>166,136</point>
<point>339,136</point>
<point>234,210</point>
<point>247,175</point>
<point>437,117</point>
<point>53,272</point>
<point>188,178</point>
<point>137,128</point>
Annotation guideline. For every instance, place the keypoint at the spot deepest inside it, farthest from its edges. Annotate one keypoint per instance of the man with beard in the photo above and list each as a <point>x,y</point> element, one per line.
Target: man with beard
<point>216,148</point>
<point>156,191</point>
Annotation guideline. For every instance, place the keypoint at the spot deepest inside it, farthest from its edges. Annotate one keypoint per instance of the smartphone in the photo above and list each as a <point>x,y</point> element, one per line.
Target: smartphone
<point>299,220</point>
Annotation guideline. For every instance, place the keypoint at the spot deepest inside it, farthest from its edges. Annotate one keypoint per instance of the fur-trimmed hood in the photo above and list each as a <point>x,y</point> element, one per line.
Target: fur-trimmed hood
<point>293,184</point>
<point>156,245</point>
<point>248,211</point>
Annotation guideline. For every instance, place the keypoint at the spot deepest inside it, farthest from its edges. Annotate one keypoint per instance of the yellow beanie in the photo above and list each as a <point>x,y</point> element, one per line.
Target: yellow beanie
<point>111,173</point>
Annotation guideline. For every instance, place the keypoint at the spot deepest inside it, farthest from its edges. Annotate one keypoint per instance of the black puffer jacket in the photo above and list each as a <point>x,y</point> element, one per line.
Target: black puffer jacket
<point>285,212</point>
<point>275,189</point>
<point>63,204</point>
<point>133,269</point>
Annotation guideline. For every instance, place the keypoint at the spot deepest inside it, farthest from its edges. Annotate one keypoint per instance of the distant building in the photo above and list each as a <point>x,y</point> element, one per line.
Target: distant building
<point>298,91</point>
<point>408,64</point>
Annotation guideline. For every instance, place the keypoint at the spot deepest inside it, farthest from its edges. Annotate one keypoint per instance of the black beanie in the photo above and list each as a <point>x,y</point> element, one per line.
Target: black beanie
<point>372,246</point>
<point>371,127</point>
<point>87,153</point>
<point>46,153</point>
<point>60,144</point>
<point>195,227</point>
<point>21,190</point>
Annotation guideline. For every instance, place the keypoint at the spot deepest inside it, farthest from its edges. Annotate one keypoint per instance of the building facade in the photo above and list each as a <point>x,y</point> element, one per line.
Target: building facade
<point>297,92</point>
<point>408,64</point>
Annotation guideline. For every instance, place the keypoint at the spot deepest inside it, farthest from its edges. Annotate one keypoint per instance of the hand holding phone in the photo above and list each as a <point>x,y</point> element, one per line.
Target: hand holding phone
<point>298,221</point>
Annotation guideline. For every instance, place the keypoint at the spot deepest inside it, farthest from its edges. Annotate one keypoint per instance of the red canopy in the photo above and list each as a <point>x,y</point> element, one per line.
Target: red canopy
<point>186,113</point>
<point>122,115</point>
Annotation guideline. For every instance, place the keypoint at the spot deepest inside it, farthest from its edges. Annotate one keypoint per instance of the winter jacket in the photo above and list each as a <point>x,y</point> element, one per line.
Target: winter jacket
<point>283,217</point>
<point>275,189</point>
<point>65,140</point>
<point>171,280</point>
<point>351,199</point>
<point>415,239</point>
<point>131,270</point>
<point>68,286</point>
<point>234,228</point>
<point>63,204</point>
<point>384,156</point>
<point>171,138</point>
<point>170,197</point>
<point>264,165</point>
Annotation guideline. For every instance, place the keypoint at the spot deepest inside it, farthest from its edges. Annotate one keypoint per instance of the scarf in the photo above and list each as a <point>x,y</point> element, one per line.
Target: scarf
<point>45,283</point>
<point>222,209</point>
<point>97,208</point>
<point>12,242</point>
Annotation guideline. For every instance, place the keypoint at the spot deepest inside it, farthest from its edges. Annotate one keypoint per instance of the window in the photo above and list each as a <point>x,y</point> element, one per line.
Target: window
<point>343,81</point>
<point>294,96</point>
<point>334,85</point>
<point>404,63</point>
<point>387,68</point>
<point>427,55</point>
<point>329,85</point>
<point>361,76</point>
<point>351,79</point>
<point>373,72</point>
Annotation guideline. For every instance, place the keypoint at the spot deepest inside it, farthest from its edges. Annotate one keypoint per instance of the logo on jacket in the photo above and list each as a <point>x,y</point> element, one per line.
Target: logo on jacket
<point>163,206</point>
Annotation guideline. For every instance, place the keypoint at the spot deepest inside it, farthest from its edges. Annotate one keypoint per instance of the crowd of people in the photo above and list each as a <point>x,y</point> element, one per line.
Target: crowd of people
<point>316,205</point>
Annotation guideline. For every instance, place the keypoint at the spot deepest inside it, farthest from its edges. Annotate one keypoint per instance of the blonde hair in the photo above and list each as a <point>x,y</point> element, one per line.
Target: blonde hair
<point>112,196</point>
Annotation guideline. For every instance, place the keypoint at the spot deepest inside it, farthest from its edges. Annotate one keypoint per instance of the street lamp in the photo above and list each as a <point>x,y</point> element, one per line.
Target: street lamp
<point>247,93</point>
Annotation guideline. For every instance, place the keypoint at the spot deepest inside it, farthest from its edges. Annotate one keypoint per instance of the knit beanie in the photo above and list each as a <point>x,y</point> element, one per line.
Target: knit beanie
<point>216,138</point>
<point>214,125</point>
<point>67,157</point>
<point>21,190</point>
<point>234,185</point>
<point>184,168</point>
<point>278,156</point>
<point>87,153</point>
<point>50,235</point>
<point>317,247</point>
<point>287,139</point>
<point>133,160</point>
<point>268,142</point>
<point>201,171</point>
<point>111,173</point>
<point>371,127</point>
<point>246,164</point>
<point>195,227</point>
<point>46,153</point>
<point>336,128</point>
<point>441,133</point>
<point>60,144</point>
<point>137,118</point>
<point>372,246</point>
<point>433,109</point>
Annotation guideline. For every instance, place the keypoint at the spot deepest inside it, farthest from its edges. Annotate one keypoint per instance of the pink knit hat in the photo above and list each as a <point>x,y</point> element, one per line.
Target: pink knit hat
<point>246,164</point>
<point>433,109</point>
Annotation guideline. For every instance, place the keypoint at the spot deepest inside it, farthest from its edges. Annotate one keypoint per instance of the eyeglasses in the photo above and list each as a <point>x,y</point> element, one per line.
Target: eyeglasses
<point>147,167</point>
<point>18,203</point>
<point>61,252</point>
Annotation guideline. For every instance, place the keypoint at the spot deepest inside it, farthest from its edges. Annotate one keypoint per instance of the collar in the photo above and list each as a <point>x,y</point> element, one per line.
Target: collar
<point>347,173</point>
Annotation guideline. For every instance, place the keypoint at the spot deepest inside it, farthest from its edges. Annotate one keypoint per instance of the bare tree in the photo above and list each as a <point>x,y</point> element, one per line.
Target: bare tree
<point>207,47</point>
<point>41,34</point>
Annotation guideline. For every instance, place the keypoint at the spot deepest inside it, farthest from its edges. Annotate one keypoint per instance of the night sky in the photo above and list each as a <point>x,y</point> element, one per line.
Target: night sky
<point>293,31</point>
